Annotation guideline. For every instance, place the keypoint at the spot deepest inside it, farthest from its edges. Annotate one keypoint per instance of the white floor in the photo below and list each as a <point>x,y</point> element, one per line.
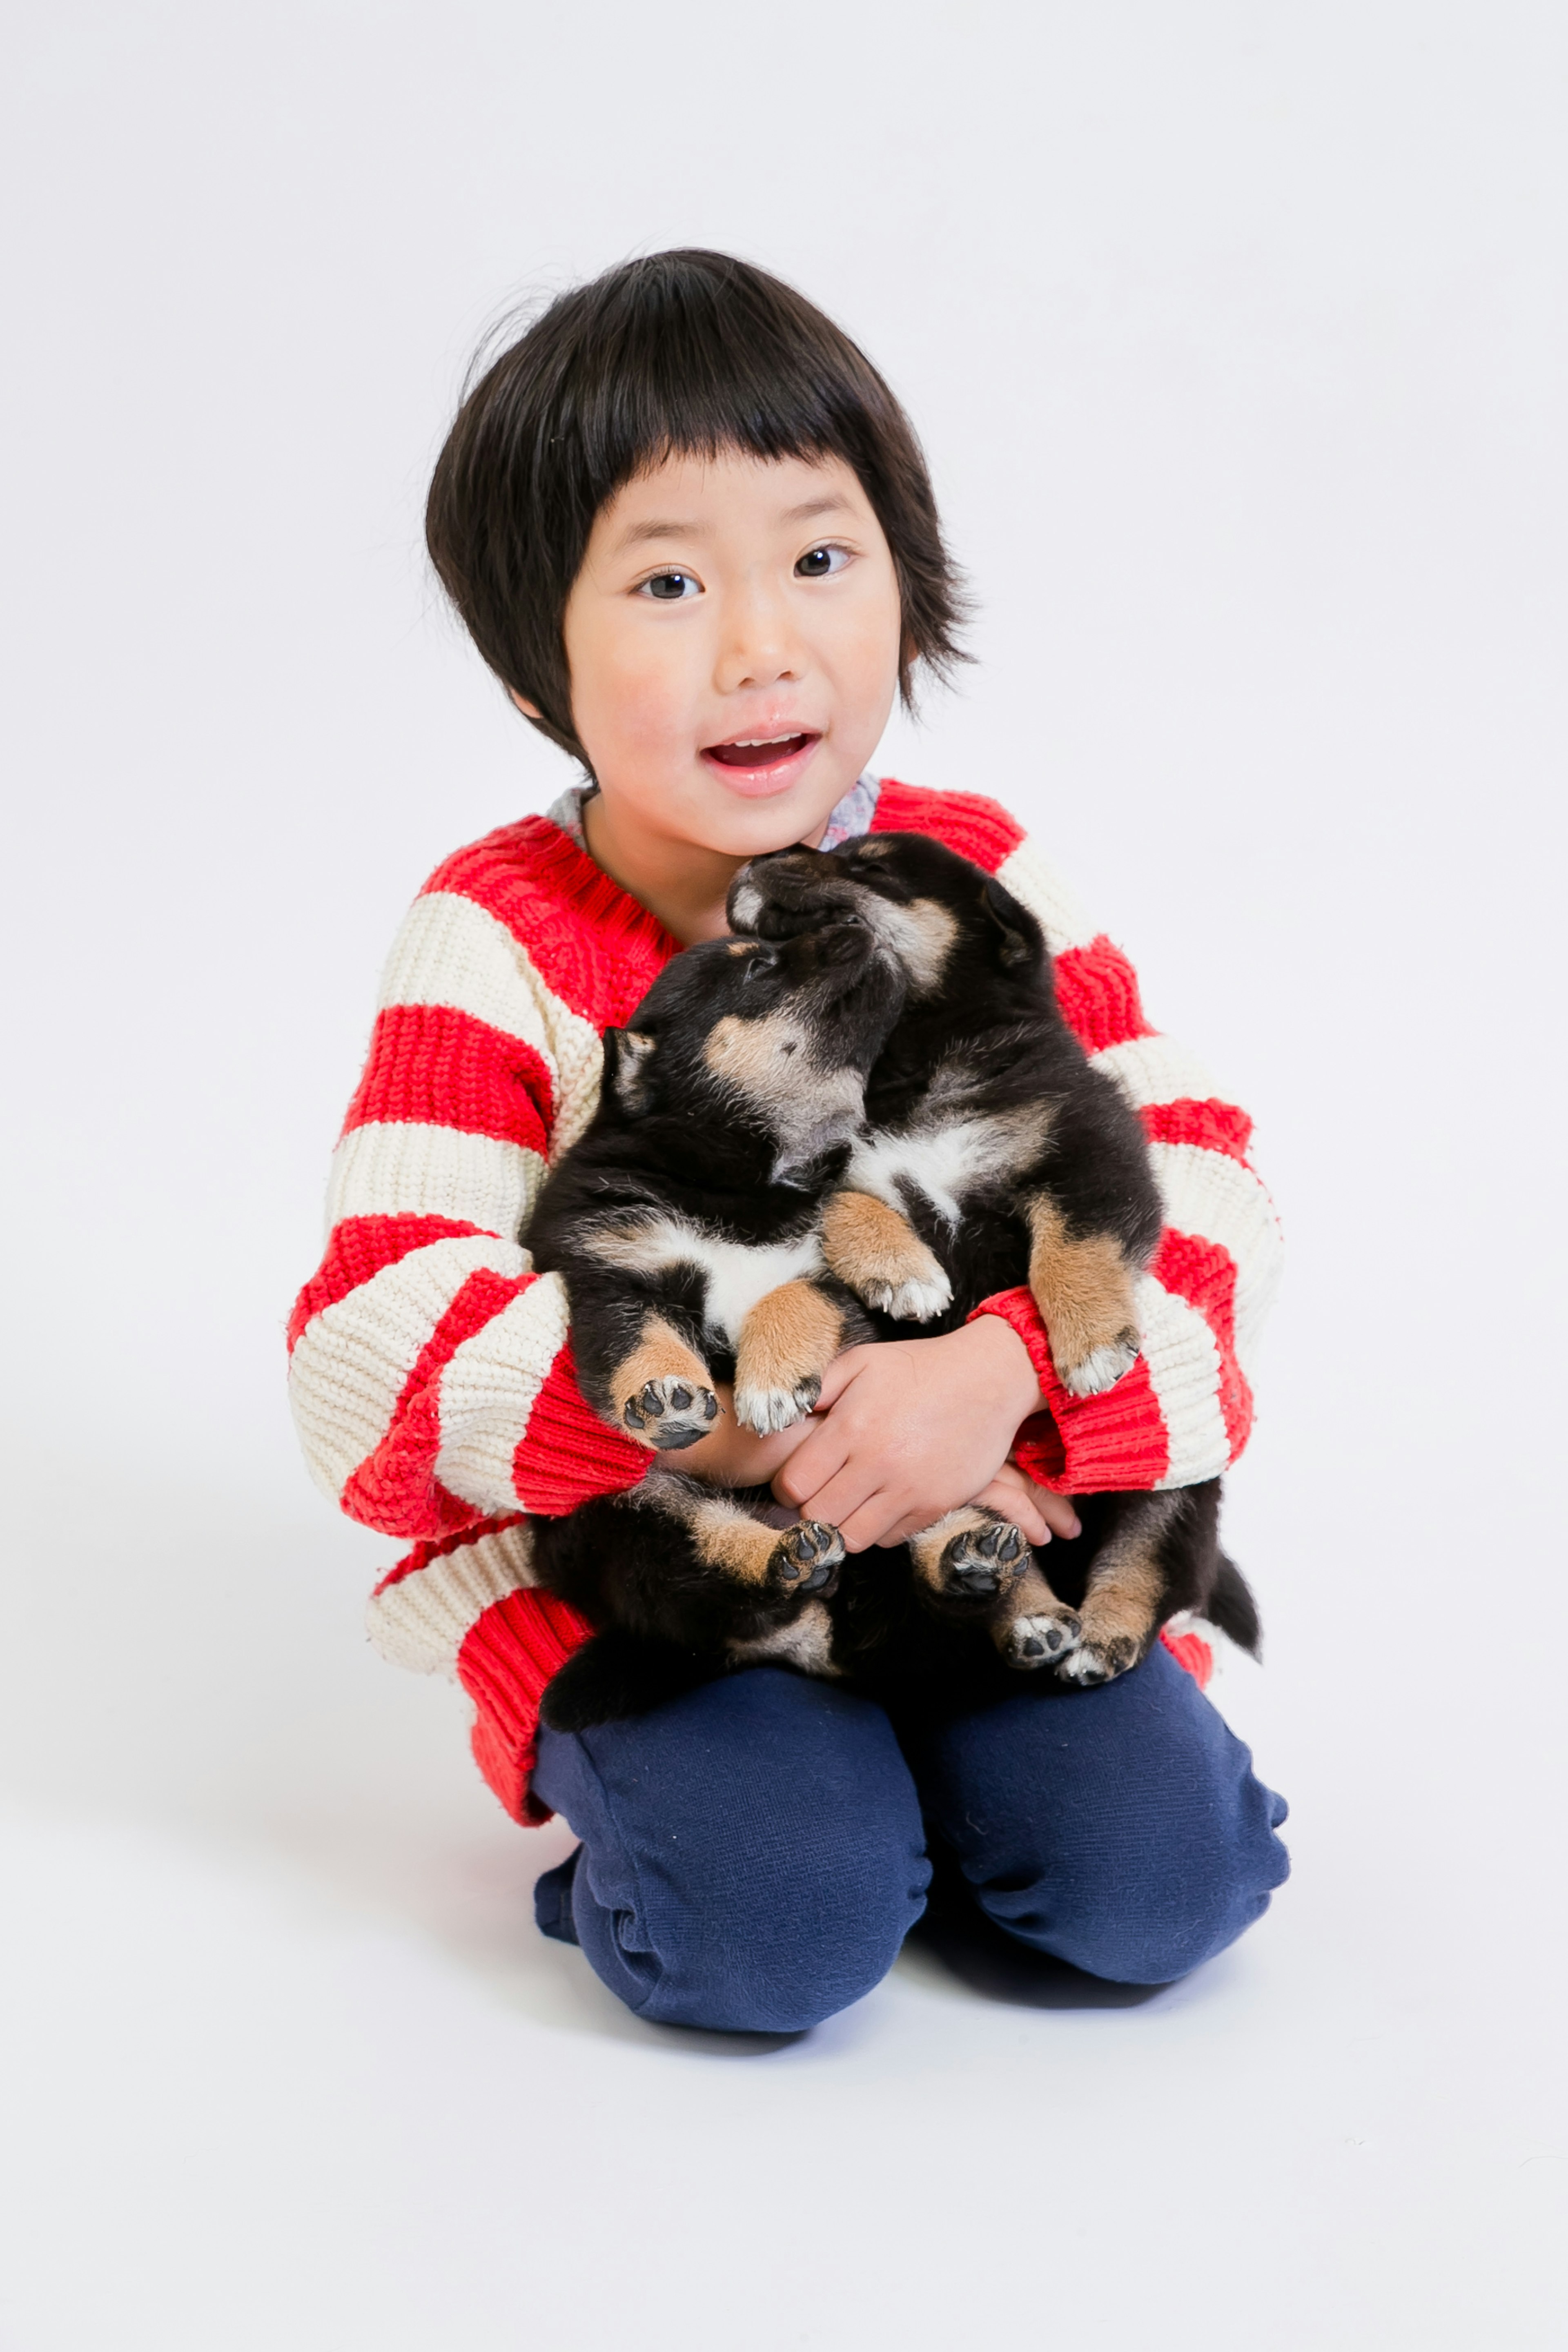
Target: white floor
<point>1238,344</point>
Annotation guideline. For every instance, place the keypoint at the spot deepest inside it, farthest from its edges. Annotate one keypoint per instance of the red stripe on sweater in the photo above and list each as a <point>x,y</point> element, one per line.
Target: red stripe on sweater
<point>435,1067</point>
<point>1191,1652</point>
<point>567,1454</point>
<point>593,945</point>
<point>976,827</point>
<point>1204,1274</point>
<point>508,1656</point>
<point>396,1489</point>
<point>1098,991</point>
<point>1085,1445</point>
<point>361,1246</point>
<point>1213,1125</point>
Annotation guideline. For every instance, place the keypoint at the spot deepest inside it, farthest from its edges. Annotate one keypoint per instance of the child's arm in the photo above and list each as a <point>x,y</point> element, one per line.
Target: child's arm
<point>431,1375</point>
<point>1185,1409</point>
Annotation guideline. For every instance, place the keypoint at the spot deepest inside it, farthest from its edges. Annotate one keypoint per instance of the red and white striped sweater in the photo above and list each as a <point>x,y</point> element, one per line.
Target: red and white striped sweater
<point>431,1368</point>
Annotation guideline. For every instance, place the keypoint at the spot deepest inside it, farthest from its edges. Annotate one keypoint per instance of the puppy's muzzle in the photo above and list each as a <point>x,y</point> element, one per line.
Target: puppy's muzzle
<point>790,891</point>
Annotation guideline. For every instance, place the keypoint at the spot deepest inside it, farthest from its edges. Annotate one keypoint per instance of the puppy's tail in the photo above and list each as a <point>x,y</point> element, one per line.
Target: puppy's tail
<point>1232,1608</point>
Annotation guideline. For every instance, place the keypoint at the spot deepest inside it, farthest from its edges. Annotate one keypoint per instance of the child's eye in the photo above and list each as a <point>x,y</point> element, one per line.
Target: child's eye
<point>670,587</point>
<point>820,563</point>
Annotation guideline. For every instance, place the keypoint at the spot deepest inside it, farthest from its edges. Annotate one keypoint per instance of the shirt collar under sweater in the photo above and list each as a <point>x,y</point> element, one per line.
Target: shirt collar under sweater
<point>851,818</point>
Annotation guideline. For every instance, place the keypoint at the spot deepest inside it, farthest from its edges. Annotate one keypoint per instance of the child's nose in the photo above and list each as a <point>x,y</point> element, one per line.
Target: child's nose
<point>759,647</point>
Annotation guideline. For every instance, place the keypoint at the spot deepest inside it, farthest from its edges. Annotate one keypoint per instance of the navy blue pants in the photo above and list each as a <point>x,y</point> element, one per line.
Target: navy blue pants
<point>753,1854</point>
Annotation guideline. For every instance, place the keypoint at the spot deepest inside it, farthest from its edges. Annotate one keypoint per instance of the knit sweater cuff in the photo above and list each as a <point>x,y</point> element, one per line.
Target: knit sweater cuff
<point>508,1656</point>
<point>1083,1445</point>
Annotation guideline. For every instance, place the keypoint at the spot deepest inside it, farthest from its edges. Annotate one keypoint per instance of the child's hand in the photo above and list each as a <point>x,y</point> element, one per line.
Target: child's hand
<point>911,1429</point>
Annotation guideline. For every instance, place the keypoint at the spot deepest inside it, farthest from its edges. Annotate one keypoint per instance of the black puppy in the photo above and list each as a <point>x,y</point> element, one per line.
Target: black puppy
<point>994,1153</point>
<point>686,1225</point>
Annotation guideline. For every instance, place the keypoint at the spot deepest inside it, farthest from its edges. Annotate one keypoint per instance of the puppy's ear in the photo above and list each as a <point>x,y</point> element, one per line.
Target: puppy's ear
<point>629,1053</point>
<point>1019,939</point>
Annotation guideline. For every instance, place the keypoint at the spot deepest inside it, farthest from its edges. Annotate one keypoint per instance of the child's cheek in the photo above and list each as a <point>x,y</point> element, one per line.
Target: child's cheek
<point>647,702</point>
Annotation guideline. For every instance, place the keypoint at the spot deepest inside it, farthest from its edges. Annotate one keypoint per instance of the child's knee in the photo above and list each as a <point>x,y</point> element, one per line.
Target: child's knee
<point>1144,1909</point>
<point>1122,1829</point>
<point>753,1856</point>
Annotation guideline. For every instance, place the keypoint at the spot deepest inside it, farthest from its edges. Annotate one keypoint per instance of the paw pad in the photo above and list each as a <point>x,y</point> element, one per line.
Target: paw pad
<point>809,1557</point>
<point>670,1414</point>
<point>982,1561</point>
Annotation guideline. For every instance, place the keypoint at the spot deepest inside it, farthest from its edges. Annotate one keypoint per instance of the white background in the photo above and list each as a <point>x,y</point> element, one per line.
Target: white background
<point>1237,334</point>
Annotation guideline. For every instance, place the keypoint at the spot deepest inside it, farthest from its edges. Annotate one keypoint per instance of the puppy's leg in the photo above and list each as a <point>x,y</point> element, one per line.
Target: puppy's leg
<point>969,1556</point>
<point>662,1390</point>
<point>773,1563</point>
<point>878,1253</point>
<point>1124,1604</point>
<point>1083,1287</point>
<point>786,1343</point>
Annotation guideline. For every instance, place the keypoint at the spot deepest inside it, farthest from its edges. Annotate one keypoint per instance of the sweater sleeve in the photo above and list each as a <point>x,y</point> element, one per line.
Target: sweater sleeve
<point>431,1373</point>
<point>1184,1411</point>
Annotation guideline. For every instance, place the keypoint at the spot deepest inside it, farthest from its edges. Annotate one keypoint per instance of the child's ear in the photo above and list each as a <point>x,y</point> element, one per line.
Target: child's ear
<point>628,1055</point>
<point>1020,940</point>
<point>529,710</point>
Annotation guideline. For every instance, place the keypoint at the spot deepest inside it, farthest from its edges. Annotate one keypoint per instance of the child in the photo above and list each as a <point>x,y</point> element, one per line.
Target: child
<point>690,530</point>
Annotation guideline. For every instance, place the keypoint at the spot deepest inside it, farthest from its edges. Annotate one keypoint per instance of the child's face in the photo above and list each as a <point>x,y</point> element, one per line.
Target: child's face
<point>733,641</point>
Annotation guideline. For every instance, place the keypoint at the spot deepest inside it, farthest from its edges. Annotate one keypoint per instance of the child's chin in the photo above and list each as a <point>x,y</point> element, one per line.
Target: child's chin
<point>749,823</point>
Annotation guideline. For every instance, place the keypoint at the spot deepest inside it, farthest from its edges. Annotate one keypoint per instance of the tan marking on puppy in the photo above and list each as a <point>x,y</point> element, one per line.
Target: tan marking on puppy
<point>875,1249</point>
<point>750,1053</point>
<point>1120,1612</point>
<point>920,935</point>
<point>1083,1288</point>
<point>744,947</point>
<point>806,1644</point>
<point>729,1540</point>
<point>787,1342</point>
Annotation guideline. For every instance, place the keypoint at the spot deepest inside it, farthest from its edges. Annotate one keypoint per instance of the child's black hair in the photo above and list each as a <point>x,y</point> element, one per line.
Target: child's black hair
<point>678,353</point>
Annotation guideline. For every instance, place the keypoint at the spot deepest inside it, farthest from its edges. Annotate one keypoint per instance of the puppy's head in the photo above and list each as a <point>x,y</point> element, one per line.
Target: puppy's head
<point>776,1034</point>
<point>946,919</point>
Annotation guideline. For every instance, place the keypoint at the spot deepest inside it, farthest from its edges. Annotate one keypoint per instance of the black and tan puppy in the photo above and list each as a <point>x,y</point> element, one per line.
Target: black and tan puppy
<point>685,1223</point>
<point>994,1153</point>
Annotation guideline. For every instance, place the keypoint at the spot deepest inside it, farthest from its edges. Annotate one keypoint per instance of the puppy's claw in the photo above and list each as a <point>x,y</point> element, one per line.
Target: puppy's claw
<point>1103,1367</point>
<point>767,1411</point>
<point>915,1301</point>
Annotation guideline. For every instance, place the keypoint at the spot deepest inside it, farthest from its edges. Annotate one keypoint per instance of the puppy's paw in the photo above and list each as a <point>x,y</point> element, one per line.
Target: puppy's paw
<point>915,1300</point>
<point>1100,1370</point>
<point>981,1562</point>
<point>1096,1661</point>
<point>670,1414</point>
<point>1043,1639</point>
<point>767,1409</point>
<point>806,1558</point>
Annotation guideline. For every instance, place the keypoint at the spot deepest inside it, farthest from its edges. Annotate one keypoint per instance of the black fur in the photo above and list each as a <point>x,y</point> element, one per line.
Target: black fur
<point>972,1032</point>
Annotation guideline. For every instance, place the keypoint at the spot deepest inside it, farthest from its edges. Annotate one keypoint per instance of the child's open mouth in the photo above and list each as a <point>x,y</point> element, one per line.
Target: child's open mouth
<point>752,755</point>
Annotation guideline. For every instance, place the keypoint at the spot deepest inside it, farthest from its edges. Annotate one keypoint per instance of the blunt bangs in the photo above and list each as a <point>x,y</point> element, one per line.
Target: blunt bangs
<point>685,353</point>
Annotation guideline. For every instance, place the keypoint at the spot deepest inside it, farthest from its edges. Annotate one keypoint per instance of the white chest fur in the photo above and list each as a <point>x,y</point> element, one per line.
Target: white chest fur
<point>946,1158</point>
<point>737,1272</point>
